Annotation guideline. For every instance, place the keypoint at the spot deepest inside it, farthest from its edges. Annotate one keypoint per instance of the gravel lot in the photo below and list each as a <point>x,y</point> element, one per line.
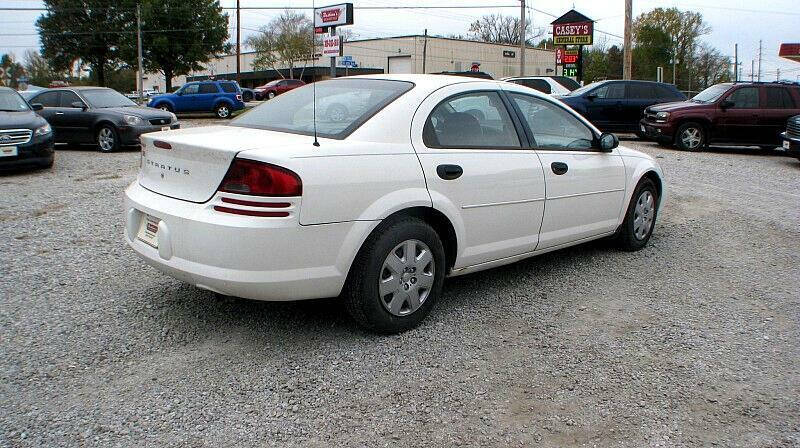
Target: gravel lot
<point>694,341</point>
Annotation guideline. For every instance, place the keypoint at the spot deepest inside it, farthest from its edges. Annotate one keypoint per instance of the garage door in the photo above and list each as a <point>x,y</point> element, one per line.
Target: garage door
<point>400,64</point>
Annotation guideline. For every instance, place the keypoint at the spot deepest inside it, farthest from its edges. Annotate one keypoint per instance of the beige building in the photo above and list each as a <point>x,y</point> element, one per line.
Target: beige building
<point>402,54</point>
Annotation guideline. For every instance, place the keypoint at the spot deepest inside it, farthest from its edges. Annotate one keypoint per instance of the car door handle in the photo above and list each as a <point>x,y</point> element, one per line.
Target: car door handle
<point>559,168</point>
<point>59,113</point>
<point>449,172</point>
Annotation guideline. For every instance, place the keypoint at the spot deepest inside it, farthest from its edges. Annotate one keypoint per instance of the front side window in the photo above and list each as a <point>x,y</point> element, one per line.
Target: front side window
<point>67,98</point>
<point>744,98</point>
<point>101,98</point>
<point>342,105</point>
<point>10,101</point>
<point>208,88</point>
<point>476,120</point>
<point>553,127</point>
<point>779,98</point>
<point>611,91</point>
<point>47,99</point>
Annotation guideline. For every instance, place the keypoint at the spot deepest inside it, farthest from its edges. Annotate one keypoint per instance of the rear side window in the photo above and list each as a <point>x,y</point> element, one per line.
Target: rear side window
<point>227,87</point>
<point>47,99</point>
<point>744,98</point>
<point>208,88</point>
<point>477,120</point>
<point>610,91</point>
<point>537,84</point>
<point>640,91</point>
<point>779,98</point>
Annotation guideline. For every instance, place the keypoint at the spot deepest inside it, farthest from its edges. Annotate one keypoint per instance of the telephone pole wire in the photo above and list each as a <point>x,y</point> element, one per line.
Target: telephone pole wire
<point>627,65</point>
<point>522,39</point>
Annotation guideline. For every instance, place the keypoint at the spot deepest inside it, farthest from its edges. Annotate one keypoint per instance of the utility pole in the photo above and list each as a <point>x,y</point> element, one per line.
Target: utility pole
<point>627,58</point>
<point>238,43</point>
<point>778,77</point>
<point>759,60</point>
<point>333,58</point>
<point>674,66</point>
<point>752,69</point>
<point>735,62</point>
<point>424,51</point>
<point>522,38</point>
<point>140,78</point>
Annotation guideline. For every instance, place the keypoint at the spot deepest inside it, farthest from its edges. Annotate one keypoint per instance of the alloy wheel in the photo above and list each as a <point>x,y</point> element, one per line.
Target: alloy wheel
<point>106,139</point>
<point>223,112</point>
<point>643,215</point>
<point>406,277</point>
<point>691,137</point>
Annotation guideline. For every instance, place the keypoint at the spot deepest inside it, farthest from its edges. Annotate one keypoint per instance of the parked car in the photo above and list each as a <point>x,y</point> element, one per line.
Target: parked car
<point>553,85</point>
<point>220,97</point>
<point>617,106</point>
<point>274,88</point>
<point>248,94</point>
<point>729,113</point>
<point>25,138</point>
<point>791,138</point>
<point>436,177</point>
<point>98,115</point>
<point>468,74</point>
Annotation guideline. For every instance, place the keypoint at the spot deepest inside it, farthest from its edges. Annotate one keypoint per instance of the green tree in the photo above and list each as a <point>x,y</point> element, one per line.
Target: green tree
<point>651,50</point>
<point>86,31</point>
<point>11,71</point>
<point>287,39</point>
<point>683,29</point>
<point>178,36</point>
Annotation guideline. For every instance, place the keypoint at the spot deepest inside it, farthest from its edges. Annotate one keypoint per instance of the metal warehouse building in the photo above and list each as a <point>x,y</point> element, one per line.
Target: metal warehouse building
<point>402,54</point>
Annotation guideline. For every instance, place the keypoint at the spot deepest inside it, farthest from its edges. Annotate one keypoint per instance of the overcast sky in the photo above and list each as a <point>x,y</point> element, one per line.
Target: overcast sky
<point>731,21</point>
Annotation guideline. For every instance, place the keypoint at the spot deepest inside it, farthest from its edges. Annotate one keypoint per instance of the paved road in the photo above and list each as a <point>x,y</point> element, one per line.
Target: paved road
<point>693,341</point>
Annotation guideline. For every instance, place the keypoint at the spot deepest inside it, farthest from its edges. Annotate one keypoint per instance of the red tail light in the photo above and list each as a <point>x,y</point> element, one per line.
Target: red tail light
<point>260,179</point>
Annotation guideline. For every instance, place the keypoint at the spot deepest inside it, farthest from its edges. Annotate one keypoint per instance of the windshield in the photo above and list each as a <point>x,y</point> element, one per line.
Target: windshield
<point>101,98</point>
<point>10,101</point>
<point>342,105</point>
<point>711,94</point>
<point>584,89</point>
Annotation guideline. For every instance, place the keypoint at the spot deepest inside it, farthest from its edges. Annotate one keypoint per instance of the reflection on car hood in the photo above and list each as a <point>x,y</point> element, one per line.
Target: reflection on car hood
<point>20,120</point>
<point>141,112</point>
<point>669,107</point>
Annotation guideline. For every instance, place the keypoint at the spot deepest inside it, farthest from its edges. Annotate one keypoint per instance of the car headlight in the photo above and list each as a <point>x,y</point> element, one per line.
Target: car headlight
<point>133,120</point>
<point>43,130</point>
<point>662,116</point>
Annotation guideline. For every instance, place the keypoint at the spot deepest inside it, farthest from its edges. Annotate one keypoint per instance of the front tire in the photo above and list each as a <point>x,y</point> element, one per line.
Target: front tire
<point>397,277</point>
<point>691,136</point>
<point>165,108</point>
<point>107,139</point>
<point>222,111</point>
<point>270,95</point>
<point>640,219</point>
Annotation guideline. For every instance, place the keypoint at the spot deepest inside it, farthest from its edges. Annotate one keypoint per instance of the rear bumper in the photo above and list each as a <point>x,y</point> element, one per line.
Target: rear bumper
<point>657,131</point>
<point>794,145</point>
<point>39,152</point>
<point>253,257</point>
<point>129,135</point>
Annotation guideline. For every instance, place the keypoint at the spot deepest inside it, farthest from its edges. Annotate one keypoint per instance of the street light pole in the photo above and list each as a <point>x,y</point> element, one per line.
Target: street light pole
<point>522,38</point>
<point>627,65</point>
<point>238,43</point>
<point>140,78</point>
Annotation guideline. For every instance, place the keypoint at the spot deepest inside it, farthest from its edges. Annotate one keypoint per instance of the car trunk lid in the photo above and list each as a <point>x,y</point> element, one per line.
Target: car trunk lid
<point>189,164</point>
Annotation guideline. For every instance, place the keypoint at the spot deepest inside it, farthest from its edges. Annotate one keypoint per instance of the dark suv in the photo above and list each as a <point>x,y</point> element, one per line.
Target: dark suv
<point>753,114</point>
<point>617,106</point>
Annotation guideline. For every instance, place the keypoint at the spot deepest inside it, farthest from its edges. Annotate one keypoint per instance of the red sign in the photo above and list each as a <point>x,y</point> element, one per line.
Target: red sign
<point>577,33</point>
<point>331,15</point>
<point>570,58</point>
<point>790,51</point>
<point>559,55</point>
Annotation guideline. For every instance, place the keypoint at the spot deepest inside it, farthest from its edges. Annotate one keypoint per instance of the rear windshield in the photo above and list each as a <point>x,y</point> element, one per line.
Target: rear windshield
<point>342,105</point>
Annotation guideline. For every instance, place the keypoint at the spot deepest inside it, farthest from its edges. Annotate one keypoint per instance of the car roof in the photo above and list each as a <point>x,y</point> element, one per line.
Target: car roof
<point>429,81</point>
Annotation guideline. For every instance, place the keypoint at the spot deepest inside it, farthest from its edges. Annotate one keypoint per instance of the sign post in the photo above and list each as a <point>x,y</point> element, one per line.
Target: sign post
<point>573,28</point>
<point>328,18</point>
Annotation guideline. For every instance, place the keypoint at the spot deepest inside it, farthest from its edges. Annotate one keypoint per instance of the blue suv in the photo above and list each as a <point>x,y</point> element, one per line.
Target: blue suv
<point>220,97</point>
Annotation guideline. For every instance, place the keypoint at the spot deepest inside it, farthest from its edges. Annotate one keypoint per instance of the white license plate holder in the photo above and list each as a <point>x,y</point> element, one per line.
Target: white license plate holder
<point>786,144</point>
<point>8,151</point>
<point>148,230</point>
<point>165,128</point>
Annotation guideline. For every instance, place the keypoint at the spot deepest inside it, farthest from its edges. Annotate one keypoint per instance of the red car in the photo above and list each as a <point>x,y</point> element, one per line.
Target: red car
<point>752,114</point>
<point>273,88</point>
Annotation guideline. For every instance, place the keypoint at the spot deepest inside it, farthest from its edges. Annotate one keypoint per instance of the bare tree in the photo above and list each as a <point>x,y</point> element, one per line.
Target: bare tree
<point>502,29</point>
<point>286,40</point>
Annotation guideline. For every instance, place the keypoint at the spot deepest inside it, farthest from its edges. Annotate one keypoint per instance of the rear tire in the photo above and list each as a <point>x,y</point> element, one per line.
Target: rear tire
<point>222,111</point>
<point>397,276</point>
<point>640,219</point>
<point>691,136</point>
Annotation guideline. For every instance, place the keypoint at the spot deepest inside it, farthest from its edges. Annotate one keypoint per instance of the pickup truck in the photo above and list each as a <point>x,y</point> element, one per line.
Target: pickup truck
<point>220,97</point>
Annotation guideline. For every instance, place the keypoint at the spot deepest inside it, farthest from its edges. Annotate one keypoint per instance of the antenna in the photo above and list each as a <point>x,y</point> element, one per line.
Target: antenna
<point>314,81</point>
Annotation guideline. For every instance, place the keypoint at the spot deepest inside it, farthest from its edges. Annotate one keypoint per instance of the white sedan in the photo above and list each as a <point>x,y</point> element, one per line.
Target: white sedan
<point>425,176</point>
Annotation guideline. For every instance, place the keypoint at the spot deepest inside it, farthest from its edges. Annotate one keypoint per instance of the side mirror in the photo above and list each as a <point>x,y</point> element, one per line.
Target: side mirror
<point>37,106</point>
<point>591,97</point>
<point>726,104</point>
<point>78,105</point>
<point>608,141</point>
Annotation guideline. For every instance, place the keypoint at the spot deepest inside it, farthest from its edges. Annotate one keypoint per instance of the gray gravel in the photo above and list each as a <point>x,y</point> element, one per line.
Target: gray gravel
<point>694,341</point>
